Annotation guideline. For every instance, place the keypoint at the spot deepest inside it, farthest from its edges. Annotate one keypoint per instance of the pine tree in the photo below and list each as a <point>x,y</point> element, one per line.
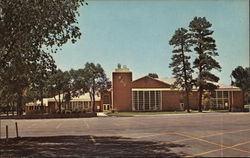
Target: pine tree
<point>205,48</point>
<point>180,61</point>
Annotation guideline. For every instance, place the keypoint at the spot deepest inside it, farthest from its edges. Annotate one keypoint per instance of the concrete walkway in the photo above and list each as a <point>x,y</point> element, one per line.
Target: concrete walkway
<point>101,114</point>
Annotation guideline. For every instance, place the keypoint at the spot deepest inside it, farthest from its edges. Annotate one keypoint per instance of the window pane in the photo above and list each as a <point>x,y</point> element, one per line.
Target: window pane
<point>135,100</point>
<point>219,94</point>
<point>152,100</point>
<point>140,100</point>
<point>158,98</point>
<point>213,95</point>
<point>225,94</point>
<point>146,100</point>
<point>86,105</point>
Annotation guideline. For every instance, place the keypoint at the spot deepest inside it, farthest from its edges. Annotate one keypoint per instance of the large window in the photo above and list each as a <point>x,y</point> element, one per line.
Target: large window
<point>106,99</point>
<point>146,100</point>
<point>220,100</point>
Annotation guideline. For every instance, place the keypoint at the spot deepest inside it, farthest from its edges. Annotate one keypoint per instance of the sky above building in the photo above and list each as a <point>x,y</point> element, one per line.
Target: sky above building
<point>136,33</point>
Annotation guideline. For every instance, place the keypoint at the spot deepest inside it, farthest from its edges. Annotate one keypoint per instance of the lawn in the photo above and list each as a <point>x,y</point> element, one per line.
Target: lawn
<point>146,113</point>
<point>160,112</point>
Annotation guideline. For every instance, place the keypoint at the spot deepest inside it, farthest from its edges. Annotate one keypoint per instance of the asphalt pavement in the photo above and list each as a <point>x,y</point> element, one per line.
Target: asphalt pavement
<point>177,135</point>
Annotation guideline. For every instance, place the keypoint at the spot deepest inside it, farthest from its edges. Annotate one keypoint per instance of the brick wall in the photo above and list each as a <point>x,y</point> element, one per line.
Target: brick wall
<point>122,91</point>
<point>170,100</point>
<point>237,99</point>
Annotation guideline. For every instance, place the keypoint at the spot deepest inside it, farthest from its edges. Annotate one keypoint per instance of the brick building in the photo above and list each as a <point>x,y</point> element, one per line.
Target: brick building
<point>145,94</point>
<point>77,104</point>
<point>156,94</point>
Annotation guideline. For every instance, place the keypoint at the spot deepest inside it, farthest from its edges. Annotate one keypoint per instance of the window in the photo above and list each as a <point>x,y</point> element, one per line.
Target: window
<point>106,99</point>
<point>219,94</point>
<point>225,94</point>
<point>86,105</point>
<point>146,100</point>
<point>135,100</point>
<point>220,100</point>
<point>140,100</point>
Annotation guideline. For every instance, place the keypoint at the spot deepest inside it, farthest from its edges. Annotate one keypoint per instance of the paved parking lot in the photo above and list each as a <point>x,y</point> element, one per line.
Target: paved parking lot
<point>177,135</point>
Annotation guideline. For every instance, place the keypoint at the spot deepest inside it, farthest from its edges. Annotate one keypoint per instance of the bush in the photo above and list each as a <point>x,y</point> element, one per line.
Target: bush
<point>114,110</point>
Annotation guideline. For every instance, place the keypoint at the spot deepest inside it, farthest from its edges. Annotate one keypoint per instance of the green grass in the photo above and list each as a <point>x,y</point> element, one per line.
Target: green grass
<point>222,111</point>
<point>146,113</point>
<point>161,112</point>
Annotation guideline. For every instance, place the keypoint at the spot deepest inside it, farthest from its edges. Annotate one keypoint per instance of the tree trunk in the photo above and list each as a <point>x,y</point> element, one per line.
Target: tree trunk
<point>200,98</point>
<point>12,108</point>
<point>41,99</point>
<point>185,78</point>
<point>8,110</point>
<point>59,103</point>
<point>200,78</point>
<point>19,104</point>
<point>187,99</point>
<point>93,102</point>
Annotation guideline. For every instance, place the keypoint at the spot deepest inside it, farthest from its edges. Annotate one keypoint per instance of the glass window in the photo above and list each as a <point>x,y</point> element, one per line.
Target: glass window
<point>86,105</point>
<point>141,100</point>
<point>213,94</point>
<point>158,98</point>
<point>225,94</point>
<point>219,94</point>
<point>152,100</point>
<point>135,100</point>
<point>106,99</point>
<point>146,100</point>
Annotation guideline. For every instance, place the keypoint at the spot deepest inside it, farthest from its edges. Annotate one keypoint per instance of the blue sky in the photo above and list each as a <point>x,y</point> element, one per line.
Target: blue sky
<point>136,33</point>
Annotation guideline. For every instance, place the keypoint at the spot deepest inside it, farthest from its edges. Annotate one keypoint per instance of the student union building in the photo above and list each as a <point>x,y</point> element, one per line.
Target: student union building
<point>146,94</point>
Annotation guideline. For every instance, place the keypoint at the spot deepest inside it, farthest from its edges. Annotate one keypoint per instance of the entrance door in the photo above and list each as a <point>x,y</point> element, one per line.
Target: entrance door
<point>106,107</point>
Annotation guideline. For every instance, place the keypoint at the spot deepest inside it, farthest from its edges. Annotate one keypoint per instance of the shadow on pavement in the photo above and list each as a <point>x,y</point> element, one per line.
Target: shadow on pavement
<point>85,146</point>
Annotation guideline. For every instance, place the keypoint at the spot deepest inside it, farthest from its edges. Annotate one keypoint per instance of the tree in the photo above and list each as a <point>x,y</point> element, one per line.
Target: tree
<point>79,86</point>
<point>180,61</point>
<point>205,48</point>
<point>153,75</point>
<point>7,100</point>
<point>119,66</point>
<point>59,85</point>
<point>95,80</point>
<point>28,28</point>
<point>242,79</point>
<point>39,80</point>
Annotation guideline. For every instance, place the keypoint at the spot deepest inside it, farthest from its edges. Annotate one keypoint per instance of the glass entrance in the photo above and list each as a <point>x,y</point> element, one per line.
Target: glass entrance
<point>106,107</point>
<point>146,100</point>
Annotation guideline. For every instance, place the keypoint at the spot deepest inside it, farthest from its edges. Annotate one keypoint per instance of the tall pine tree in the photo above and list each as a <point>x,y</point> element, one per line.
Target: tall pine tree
<point>205,48</point>
<point>180,61</point>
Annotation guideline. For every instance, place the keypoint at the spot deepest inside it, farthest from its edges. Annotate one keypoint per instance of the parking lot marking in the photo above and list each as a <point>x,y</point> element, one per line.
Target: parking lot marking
<point>209,142</point>
<point>207,152</point>
<point>229,147</point>
<point>247,142</point>
<point>193,138</point>
<point>215,134</point>
<point>59,125</point>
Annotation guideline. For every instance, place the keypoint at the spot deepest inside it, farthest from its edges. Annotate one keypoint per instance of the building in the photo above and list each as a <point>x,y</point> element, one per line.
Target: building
<point>145,94</point>
<point>50,105</point>
<point>157,94</point>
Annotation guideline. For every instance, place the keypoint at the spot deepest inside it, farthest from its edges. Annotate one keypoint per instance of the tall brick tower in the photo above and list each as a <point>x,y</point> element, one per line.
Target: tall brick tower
<point>122,89</point>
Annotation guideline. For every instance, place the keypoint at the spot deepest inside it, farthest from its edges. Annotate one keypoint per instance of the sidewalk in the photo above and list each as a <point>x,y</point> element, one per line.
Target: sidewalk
<point>101,114</point>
